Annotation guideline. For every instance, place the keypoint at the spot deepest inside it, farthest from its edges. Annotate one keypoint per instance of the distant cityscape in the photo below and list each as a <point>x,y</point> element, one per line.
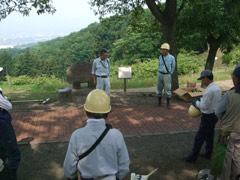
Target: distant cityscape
<point>24,41</point>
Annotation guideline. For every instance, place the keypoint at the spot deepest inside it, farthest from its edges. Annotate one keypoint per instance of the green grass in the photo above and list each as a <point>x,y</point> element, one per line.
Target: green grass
<point>220,74</point>
<point>218,159</point>
<point>31,96</point>
<point>134,83</point>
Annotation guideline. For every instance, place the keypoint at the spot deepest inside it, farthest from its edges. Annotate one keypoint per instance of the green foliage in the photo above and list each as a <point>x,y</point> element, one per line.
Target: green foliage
<point>188,62</point>
<point>24,7</point>
<point>37,84</point>
<point>22,80</point>
<point>5,62</point>
<point>227,58</point>
<point>218,159</point>
<point>232,57</point>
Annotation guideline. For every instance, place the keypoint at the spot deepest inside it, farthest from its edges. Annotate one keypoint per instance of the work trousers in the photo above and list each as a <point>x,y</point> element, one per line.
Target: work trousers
<point>8,143</point>
<point>205,133</point>
<point>104,84</point>
<point>164,82</point>
<point>232,158</point>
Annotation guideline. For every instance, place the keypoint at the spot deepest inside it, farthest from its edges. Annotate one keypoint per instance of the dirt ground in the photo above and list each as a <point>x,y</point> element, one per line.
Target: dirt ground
<point>118,99</point>
<point>132,98</point>
<point>165,151</point>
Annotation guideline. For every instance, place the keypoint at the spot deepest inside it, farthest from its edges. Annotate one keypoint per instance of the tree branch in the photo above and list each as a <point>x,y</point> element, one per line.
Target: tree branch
<point>155,10</point>
<point>181,7</point>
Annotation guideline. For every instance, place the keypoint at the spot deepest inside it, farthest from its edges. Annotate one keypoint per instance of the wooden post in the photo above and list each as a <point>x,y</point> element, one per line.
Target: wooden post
<point>125,85</point>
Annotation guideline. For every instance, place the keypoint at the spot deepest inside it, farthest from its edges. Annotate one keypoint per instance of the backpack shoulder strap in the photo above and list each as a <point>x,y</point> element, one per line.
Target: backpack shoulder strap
<point>108,127</point>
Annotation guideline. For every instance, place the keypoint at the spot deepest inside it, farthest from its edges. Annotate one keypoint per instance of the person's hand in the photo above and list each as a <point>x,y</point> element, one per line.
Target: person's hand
<point>95,83</point>
<point>195,101</point>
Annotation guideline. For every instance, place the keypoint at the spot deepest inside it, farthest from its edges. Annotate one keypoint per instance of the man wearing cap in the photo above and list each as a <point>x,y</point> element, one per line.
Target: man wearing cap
<point>228,111</point>
<point>9,151</point>
<point>109,159</point>
<point>206,104</point>
<point>101,70</point>
<point>166,68</point>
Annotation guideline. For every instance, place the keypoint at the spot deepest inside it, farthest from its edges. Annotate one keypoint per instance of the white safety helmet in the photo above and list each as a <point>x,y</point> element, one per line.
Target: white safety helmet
<point>165,46</point>
<point>98,101</point>
<point>1,69</point>
<point>194,112</point>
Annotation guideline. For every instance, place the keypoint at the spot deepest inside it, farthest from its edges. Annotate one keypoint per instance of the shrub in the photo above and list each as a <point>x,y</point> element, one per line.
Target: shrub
<point>22,80</point>
<point>188,62</point>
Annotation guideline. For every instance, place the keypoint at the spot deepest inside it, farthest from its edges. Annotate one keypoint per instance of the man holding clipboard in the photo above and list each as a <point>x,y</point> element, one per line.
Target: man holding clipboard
<point>166,68</point>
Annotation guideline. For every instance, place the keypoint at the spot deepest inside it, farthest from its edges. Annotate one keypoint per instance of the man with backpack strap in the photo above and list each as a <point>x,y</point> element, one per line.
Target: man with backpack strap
<point>166,68</point>
<point>110,157</point>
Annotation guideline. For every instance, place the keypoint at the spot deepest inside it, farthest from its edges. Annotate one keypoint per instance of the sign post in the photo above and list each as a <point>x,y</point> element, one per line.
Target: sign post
<point>125,73</point>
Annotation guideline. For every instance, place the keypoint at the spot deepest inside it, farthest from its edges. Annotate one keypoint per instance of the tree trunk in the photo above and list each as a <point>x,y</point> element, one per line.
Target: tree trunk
<point>170,37</point>
<point>214,44</point>
<point>8,78</point>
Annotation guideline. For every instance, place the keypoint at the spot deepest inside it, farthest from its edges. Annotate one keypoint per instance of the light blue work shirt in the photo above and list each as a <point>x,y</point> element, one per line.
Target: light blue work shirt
<point>101,68</point>
<point>110,157</point>
<point>170,63</point>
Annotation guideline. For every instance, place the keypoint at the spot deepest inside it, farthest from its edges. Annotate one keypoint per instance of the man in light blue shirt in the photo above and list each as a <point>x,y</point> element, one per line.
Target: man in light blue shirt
<point>166,68</point>
<point>109,159</point>
<point>101,70</point>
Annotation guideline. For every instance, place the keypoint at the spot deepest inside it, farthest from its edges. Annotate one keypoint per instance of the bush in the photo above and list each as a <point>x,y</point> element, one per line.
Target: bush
<point>188,62</point>
<point>227,58</point>
<point>22,80</point>
<point>232,57</point>
<point>49,83</point>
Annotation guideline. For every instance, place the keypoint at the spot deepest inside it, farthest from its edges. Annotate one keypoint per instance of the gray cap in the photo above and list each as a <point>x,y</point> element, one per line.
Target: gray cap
<point>205,73</point>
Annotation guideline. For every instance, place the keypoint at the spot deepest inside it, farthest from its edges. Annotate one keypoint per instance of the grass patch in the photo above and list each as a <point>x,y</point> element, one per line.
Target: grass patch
<point>134,83</point>
<point>220,74</point>
<point>218,159</point>
<point>31,96</point>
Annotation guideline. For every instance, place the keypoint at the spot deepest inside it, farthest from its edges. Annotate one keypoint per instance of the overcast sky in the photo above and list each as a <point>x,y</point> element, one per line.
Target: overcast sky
<point>71,15</point>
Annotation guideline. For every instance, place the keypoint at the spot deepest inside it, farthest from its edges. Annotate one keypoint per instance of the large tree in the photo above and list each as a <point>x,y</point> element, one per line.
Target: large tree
<point>165,12</point>
<point>217,21</point>
<point>24,7</point>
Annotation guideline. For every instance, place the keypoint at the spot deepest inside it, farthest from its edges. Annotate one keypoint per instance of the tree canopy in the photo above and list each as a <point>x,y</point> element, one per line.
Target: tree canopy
<point>24,7</point>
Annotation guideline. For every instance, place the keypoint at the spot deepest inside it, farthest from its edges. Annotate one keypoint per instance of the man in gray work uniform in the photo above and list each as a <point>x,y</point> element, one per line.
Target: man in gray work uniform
<point>101,70</point>
<point>166,68</point>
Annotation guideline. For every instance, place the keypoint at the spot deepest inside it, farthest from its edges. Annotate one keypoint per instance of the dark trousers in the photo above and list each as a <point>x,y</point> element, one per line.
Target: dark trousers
<point>205,133</point>
<point>8,145</point>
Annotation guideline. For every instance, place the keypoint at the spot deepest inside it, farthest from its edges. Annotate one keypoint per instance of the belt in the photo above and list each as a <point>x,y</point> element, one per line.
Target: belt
<point>163,72</point>
<point>102,76</point>
<point>99,178</point>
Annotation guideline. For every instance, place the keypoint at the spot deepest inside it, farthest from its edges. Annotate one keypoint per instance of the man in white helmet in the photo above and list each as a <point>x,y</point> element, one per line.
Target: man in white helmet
<point>166,68</point>
<point>109,159</point>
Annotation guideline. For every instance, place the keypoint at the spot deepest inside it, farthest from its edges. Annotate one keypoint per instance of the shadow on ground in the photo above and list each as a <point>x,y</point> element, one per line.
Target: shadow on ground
<point>44,161</point>
<point>118,100</point>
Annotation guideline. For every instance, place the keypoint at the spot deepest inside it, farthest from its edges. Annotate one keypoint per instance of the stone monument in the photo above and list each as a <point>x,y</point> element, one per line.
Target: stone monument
<point>80,73</point>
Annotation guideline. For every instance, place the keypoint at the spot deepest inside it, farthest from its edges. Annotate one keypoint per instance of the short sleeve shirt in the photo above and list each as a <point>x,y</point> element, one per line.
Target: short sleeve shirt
<point>101,68</point>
